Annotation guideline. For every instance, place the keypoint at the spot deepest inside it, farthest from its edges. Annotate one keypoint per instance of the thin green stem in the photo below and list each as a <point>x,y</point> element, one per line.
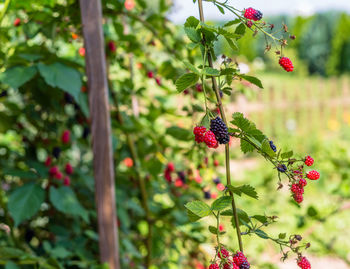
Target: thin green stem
<point>4,9</point>
<point>227,149</point>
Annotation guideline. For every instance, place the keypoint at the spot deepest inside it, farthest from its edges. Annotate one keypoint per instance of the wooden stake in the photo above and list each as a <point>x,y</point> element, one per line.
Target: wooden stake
<point>91,14</point>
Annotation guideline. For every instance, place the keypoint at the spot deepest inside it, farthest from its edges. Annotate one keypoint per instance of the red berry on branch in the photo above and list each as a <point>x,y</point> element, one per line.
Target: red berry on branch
<point>158,81</point>
<point>309,161</point>
<point>48,161</point>
<point>303,263</point>
<point>210,140</point>
<point>66,181</point>
<point>249,13</point>
<point>286,63</point>
<point>65,137</point>
<point>53,170</point>
<point>230,265</point>
<point>58,175</point>
<point>220,187</point>
<point>302,182</point>
<point>223,253</point>
<point>170,167</point>
<point>82,52</point>
<point>249,23</point>
<point>216,163</point>
<point>239,258</point>
<point>313,175</point>
<point>199,88</point>
<point>111,46</point>
<point>178,182</point>
<point>297,189</point>
<point>17,22</point>
<point>68,169</point>
<point>298,197</point>
<point>214,266</point>
<point>150,74</point>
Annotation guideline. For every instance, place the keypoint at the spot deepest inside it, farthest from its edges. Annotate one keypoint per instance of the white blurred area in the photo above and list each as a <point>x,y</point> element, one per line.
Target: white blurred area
<point>184,8</point>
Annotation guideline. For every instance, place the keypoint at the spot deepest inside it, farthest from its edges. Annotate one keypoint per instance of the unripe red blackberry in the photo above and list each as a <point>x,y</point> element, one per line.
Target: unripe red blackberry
<point>66,181</point>
<point>53,170</point>
<point>219,128</point>
<point>223,253</point>
<point>214,266</point>
<point>230,265</point>
<point>239,258</point>
<point>69,169</point>
<point>303,263</point>
<point>297,189</point>
<point>199,132</point>
<point>65,137</point>
<point>210,140</point>
<point>249,23</point>
<point>309,161</point>
<point>302,182</point>
<point>298,198</point>
<point>249,13</point>
<point>286,63</point>
<point>313,175</point>
<point>48,161</point>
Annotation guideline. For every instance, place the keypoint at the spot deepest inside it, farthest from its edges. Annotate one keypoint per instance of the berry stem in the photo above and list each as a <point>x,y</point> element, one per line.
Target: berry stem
<point>227,149</point>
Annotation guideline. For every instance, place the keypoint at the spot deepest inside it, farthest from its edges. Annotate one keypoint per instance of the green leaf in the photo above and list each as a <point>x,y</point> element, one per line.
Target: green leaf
<point>192,34</point>
<point>240,30</point>
<point>192,46</point>
<point>261,234</point>
<point>179,133</point>
<point>11,265</point>
<point>185,81</point>
<point>25,202</point>
<point>246,147</point>
<point>227,212</point>
<point>67,79</point>
<point>253,80</point>
<point>230,23</point>
<point>10,253</point>
<point>16,76</point>
<point>221,203</point>
<point>266,148</point>
<point>198,208</point>
<point>282,236</point>
<point>221,9</point>
<point>191,67</point>
<point>286,155</point>
<point>208,71</point>
<point>243,218</point>
<point>227,90</point>
<point>246,189</point>
<point>261,218</point>
<point>241,122</point>
<point>64,200</point>
<point>191,22</point>
<point>232,44</point>
<point>213,230</point>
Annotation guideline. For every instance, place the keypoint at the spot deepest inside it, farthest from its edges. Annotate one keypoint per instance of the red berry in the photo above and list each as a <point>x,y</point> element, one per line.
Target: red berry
<point>17,22</point>
<point>298,198</point>
<point>216,163</point>
<point>249,23</point>
<point>303,263</point>
<point>170,167</point>
<point>199,132</point>
<point>158,81</point>
<point>309,161</point>
<point>48,161</point>
<point>210,140</point>
<point>66,181</point>
<point>199,88</point>
<point>302,182</point>
<point>167,176</point>
<point>297,189</point>
<point>214,266</point>
<point>221,228</point>
<point>81,52</point>
<point>286,63</point>
<point>69,169</point>
<point>239,258</point>
<point>111,46</point>
<point>223,253</point>
<point>53,170</point>
<point>313,175</point>
<point>65,137</point>
<point>220,186</point>
<point>230,265</point>
<point>58,175</point>
<point>150,74</point>
<point>249,13</point>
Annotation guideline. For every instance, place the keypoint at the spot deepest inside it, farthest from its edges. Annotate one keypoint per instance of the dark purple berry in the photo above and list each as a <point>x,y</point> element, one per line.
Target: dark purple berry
<point>257,15</point>
<point>216,180</point>
<point>56,151</point>
<point>219,128</point>
<point>207,195</point>
<point>273,147</point>
<point>245,265</point>
<point>282,168</point>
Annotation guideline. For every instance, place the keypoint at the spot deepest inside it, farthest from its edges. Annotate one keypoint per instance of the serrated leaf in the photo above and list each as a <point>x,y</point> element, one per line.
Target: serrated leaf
<point>227,212</point>
<point>246,189</point>
<point>240,29</point>
<point>24,202</point>
<point>213,230</point>
<point>192,46</point>
<point>241,122</point>
<point>282,236</point>
<point>179,133</point>
<point>243,218</point>
<point>65,200</point>
<point>192,217</point>
<point>252,80</point>
<point>230,23</point>
<point>16,76</point>
<point>211,72</point>
<point>266,148</point>
<point>192,34</point>
<point>191,67</point>
<point>246,147</point>
<point>260,218</point>
<point>286,155</point>
<point>198,208</point>
<point>261,234</point>
<point>232,43</point>
<point>221,203</point>
<point>185,81</point>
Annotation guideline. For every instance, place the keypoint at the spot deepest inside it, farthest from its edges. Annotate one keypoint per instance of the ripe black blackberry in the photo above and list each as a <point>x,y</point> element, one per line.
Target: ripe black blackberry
<point>219,128</point>
<point>245,265</point>
<point>56,151</point>
<point>217,180</point>
<point>272,145</point>
<point>207,195</point>
<point>282,168</point>
<point>257,15</point>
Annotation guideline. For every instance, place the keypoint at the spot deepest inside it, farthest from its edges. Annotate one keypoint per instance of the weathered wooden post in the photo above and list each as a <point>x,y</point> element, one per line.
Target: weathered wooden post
<point>91,14</point>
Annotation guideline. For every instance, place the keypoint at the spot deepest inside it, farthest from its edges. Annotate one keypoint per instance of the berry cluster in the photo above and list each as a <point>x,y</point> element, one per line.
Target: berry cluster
<point>219,128</point>
<point>253,14</point>
<point>238,261</point>
<point>286,63</point>
<point>203,135</point>
<point>303,263</point>
<point>297,187</point>
<point>150,74</point>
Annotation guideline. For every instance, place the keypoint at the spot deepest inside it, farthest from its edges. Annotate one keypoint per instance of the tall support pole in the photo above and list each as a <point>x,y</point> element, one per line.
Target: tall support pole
<point>91,14</point>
